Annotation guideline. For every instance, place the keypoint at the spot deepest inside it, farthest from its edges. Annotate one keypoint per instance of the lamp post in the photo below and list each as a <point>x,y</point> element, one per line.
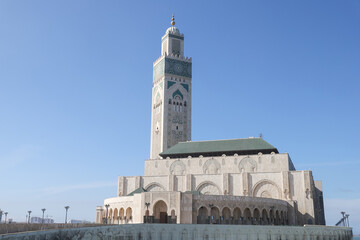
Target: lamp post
<point>29,212</point>
<point>211,216</point>
<point>66,210</point>
<point>43,210</point>
<point>106,217</point>
<point>347,218</point>
<point>343,214</point>
<point>147,204</point>
<point>6,213</point>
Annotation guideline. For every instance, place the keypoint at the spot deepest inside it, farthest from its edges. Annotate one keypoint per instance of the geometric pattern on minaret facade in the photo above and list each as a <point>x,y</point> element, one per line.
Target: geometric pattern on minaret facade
<point>171,94</point>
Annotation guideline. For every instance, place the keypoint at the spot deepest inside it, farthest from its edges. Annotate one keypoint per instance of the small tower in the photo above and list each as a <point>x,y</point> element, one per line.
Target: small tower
<point>171,94</point>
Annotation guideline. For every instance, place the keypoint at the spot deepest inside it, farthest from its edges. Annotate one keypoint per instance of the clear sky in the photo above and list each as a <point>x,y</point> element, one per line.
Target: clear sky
<point>75,92</point>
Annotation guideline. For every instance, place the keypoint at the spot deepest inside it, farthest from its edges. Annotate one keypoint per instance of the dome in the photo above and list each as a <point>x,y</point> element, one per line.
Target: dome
<point>173,30</point>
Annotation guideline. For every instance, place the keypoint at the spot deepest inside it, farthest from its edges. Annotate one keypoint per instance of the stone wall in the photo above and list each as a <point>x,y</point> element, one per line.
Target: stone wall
<point>24,227</point>
<point>276,162</point>
<point>190,232</point>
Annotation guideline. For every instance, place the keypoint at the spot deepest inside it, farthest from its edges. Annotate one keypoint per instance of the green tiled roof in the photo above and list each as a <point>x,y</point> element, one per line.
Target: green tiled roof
<point>243,146</point>
<point>138,190</point>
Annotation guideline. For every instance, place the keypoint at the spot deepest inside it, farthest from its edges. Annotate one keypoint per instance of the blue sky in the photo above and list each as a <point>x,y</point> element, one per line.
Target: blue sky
<point>75,92</point>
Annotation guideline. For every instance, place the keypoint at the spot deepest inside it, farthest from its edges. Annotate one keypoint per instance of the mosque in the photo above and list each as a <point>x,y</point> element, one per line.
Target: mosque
<point>238,181</point>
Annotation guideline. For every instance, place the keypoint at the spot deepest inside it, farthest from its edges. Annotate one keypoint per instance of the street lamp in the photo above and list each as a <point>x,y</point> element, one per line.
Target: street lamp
<point>343,214</point>
<point>29,212</point>
<point>106,217</point>
<point>6,213</point>
<point>211,216</point>
<point>147,204</point>
<point>43,210</point>
<point>66,210</point>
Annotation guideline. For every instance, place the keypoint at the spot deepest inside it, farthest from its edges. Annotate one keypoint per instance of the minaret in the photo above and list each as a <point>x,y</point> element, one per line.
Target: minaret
<point>171,94</point>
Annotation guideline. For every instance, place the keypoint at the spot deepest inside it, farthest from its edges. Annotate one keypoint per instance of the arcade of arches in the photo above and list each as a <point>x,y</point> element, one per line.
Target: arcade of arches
<point>213,215</point>
<point>118,216</point>
<point>205,214</point>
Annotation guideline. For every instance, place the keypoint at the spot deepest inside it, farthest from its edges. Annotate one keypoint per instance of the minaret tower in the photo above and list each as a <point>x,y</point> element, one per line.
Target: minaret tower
<point>171,94</point>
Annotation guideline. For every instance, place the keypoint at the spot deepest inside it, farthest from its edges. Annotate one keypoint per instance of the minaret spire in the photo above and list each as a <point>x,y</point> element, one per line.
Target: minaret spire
<point>173,20</point>
<point>171,95</point>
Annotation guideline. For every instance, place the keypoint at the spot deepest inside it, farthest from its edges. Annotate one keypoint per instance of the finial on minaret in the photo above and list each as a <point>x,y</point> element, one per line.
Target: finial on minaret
<point>173,20</point>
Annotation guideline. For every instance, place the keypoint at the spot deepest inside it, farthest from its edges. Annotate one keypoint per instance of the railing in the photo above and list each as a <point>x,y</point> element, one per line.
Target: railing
<point>152,219</point>
<point>240,221</point>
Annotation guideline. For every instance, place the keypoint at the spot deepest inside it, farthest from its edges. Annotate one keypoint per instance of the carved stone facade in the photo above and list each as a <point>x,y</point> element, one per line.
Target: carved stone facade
<point>222,181</point>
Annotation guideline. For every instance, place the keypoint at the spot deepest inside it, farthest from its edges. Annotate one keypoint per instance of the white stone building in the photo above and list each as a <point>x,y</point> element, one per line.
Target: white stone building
<point>238,181</point>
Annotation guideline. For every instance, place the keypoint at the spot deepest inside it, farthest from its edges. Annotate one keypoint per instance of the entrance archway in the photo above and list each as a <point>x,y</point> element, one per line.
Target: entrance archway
<point>160,212</point>
<point>215,215</point>
<point>226,215</point>
<point>247,216</point>
<point>202,217</point>
<point>237,216</point>
<point>128,215</point>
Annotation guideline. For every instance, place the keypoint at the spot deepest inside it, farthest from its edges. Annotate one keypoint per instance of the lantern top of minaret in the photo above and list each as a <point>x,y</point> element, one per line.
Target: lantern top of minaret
<point>173,20</point>
<point>173,29</point>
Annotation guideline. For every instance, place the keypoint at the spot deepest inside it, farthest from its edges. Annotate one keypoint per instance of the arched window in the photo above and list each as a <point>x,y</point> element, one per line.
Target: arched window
<point>185,104</point>
<point>169,101</point>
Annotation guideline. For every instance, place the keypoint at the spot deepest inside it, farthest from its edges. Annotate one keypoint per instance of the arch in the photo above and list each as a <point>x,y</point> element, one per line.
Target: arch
<point>154,187</point>
<point>277,217</point>
<point>208,188</point>
<point>202,215</point>
<point>247,216</point>
<point>116,217</point>
<point>173,215</point>
<point>256,216</point>
<point>214,215</point>
<point>160,212</point>
<point>178,93</point>
<point>266,188</point>
<point>271,216</point>
<point>237,215</point>
<point>211,166</point>
<point>247,164</point>
<point>128,214</point>
<point>177,168</point>
<point>226,215</point>
<point>264,217</point>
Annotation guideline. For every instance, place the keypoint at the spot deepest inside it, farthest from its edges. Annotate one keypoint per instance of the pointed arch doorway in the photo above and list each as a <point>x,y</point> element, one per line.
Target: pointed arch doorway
<point>160,212</point>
